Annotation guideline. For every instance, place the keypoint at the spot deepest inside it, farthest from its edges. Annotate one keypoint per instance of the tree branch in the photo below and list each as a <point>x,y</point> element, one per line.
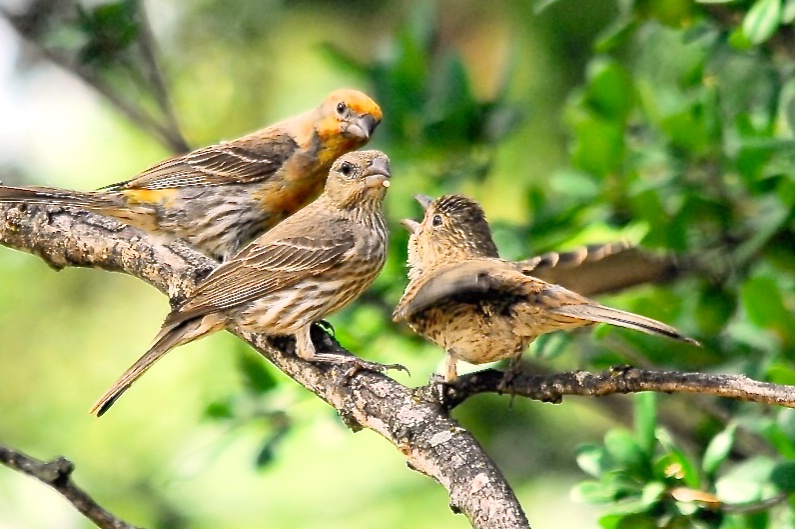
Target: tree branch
<point>619,379</point>
<point>168,134</point>
<point>431,441</point>
<point>58,474</point>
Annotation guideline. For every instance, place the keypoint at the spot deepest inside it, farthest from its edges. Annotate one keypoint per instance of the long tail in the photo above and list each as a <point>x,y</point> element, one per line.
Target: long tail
<point>602,314</point>
<point>112,204</point>
<point>170,336</point>
<point>58,197</point>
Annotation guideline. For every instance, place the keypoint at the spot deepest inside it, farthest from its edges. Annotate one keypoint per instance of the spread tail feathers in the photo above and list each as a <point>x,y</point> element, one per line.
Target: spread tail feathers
<point>620,318</point>
<point>170,336</point>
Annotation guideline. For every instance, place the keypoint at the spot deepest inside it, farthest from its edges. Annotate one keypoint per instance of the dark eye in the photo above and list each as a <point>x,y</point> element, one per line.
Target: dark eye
<point>341,108</point>
<point>436,221</point>
<point>345,168</point>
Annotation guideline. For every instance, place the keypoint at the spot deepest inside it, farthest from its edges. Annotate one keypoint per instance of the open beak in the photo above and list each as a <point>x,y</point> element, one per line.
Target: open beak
<point>424,200</point>
<point>411,225</point>
<point>378,173</point>
<point>362,127</point>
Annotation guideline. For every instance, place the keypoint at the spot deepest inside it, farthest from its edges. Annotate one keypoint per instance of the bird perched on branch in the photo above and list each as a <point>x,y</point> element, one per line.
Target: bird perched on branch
<point>220,197</point>
<point>481,308</point>
<point>307,267</point>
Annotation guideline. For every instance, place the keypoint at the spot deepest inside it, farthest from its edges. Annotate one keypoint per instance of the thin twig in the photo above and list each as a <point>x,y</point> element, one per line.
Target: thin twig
<point>621,379</point>
<point>58,474</point>
<point>155,76</point>
<point>172,139</point>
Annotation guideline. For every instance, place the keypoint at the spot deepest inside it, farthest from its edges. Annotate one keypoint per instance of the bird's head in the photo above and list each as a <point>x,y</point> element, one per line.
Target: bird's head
<point>348,119</point>
<point>453,228</point>
<point>358,180</point>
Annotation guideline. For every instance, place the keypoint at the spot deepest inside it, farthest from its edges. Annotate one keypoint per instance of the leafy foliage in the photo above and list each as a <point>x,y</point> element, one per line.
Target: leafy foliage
<point>650,481</point>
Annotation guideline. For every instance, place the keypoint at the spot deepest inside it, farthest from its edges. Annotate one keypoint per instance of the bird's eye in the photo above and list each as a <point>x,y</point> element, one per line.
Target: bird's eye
<point>345,168</point>
<point>436,221</point>
<point>341,108</point>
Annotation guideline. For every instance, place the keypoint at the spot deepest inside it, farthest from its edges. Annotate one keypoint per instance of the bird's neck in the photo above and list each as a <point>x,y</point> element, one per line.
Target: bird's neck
<point>361,208</point>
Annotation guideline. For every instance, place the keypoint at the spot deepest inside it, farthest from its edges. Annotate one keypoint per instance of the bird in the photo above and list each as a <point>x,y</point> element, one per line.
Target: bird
<point>218,198</point>
<point>480,308</point>
<point>310,265</point>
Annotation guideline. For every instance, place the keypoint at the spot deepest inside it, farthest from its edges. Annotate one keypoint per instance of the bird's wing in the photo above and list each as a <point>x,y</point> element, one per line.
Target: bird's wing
<point>600,268</point>
<point>476,277</point>
<point>249,159</point>
<point>261,269</point>
<point>572,258</point>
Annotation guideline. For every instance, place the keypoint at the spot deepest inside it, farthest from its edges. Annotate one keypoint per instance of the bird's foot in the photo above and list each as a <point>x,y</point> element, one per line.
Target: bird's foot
<point>438,387</point>
<point>514,369</point>
<point>356,364</point>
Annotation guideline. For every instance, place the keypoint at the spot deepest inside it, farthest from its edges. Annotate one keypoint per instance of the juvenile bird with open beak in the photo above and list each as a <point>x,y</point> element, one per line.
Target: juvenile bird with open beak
<point>481,308</point>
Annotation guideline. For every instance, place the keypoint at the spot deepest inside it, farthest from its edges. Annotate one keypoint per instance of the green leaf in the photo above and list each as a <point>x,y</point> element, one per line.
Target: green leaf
<point>675,466</point>
<point>652,493</point>
<point>598,145</point>
<point>111,28</point>
<point>621,484</point>
<point>646,421</point>
<point>687,129</point>
<point>718,449</point>
<point>745,482</point>
<point>609,89</point>
<point>627,521</point>
<point>782,476</point>
<point>623,448</point>
<point>762,20</point>
<point>219,410</point>
<point>616,34</point>
<point>592,459</point>
<point>762,300</point>
<point>591,492</point>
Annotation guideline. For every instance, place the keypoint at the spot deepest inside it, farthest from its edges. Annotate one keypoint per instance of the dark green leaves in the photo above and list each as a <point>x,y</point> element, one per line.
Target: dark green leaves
<point>110,28</point>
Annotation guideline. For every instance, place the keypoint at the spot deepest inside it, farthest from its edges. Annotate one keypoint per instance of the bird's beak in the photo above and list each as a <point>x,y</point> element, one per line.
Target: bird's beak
<point>411,225</point>
<point>378,173</point>
<point>424,200</point>
<point>363,126</point>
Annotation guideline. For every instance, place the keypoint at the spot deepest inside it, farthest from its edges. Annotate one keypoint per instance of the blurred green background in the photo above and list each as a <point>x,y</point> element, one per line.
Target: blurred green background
<point>666,123</point>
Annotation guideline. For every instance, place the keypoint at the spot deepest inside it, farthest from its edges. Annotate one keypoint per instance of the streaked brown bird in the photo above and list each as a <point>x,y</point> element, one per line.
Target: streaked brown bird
<point>310,265</point>
<point>221,197</point>
<point>481,308</point>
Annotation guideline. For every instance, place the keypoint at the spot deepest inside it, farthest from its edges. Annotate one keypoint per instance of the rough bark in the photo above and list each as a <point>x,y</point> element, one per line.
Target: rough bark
<point>619,379</point>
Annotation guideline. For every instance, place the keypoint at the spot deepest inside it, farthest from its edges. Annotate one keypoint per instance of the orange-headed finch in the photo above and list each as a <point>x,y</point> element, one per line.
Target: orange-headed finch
<point>307,267</point>
<point>221,197</point>
<point>478,307</point>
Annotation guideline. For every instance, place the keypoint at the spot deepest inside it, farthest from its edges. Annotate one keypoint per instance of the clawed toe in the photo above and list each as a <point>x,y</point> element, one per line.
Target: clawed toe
<point>357,364</point>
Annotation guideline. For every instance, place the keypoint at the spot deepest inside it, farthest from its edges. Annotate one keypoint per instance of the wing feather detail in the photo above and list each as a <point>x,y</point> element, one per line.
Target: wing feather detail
<point>260,270</point>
